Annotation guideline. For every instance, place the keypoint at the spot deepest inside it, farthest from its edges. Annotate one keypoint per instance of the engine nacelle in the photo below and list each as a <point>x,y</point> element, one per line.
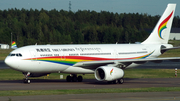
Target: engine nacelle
<point>105,73</point>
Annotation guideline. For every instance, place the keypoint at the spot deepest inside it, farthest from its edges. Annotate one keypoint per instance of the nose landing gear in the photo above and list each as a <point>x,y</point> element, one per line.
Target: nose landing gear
<point>26,80</point>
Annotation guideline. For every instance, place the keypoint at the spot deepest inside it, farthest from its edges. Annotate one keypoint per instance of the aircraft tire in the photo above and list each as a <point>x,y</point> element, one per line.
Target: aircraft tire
<point>115,81</point>
<point>110,82</point>
<point>27,81</point>
<point>68,78</point>
<point>121,81</point>
<point>74,78</point>
<point>80,79</point>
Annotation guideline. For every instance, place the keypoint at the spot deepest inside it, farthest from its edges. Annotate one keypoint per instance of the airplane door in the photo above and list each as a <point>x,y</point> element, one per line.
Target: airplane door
<point>33,55</point>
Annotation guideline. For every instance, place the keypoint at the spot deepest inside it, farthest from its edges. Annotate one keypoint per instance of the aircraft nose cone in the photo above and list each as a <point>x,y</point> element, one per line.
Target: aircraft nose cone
<point>7,61</point>
<point>12,63</point>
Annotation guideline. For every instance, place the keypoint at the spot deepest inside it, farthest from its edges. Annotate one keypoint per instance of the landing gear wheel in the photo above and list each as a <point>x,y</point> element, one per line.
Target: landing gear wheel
<point>74,78</point>
<point>27,81</point>
<point>121,81</point>
<point>115,81</point>
<point>68,78</point>
<point>110,82</point>
<point>79,78</point>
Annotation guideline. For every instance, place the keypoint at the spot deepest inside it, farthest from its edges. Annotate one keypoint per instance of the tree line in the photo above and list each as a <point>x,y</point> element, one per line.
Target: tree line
<point>66,27</point>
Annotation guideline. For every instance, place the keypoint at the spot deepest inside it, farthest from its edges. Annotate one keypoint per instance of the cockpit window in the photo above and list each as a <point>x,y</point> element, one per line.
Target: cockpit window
<point>15,54</point>
<point>12,54</point>
<point>20,54</point>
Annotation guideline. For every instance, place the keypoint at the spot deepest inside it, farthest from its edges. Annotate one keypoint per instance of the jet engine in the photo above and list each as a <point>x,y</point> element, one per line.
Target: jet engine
<point>106,73</point>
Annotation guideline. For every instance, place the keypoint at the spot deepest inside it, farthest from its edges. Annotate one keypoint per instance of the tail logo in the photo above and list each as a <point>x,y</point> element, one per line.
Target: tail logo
<point>14,46</point>
<point>163,24</point>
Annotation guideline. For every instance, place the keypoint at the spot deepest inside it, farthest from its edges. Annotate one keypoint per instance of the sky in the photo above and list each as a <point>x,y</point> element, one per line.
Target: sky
<point>150,7</point>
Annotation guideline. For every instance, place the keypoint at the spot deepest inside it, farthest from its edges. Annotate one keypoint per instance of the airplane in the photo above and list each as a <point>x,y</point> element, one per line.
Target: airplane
<point>13,45</point>
<point>106,61</point>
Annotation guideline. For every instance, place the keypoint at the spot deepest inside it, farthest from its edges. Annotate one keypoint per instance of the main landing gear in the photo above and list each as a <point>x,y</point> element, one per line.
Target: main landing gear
<point>120,81</point>
<point>74,78</point>
<point>26,80</point>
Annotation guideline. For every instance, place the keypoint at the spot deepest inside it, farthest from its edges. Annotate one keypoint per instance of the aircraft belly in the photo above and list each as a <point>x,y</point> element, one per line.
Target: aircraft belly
<point>41,66</point>
<point>78,70</point>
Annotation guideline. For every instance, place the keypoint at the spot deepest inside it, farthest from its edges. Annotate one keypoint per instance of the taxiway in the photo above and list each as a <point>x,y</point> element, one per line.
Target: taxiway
<point>45,84</point>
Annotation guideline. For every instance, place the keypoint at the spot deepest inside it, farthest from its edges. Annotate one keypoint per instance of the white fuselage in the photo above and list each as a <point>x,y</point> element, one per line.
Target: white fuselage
<point>61,58</point>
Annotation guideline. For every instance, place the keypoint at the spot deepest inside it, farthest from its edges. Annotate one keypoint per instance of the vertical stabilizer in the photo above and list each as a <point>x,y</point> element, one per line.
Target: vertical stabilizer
<point>13,46</point>
<point>160,34</point>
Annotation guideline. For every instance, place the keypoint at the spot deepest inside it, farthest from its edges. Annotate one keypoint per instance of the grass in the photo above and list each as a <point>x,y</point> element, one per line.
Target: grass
<point>171,53</point>
<point>86,91</point>
<point>4,53</point>
<point>149,73</point>
<point>174,52</point>
<point>174,42</point>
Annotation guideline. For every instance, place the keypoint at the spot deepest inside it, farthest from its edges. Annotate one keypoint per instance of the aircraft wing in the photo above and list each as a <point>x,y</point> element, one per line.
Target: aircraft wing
<point>95,64</point>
